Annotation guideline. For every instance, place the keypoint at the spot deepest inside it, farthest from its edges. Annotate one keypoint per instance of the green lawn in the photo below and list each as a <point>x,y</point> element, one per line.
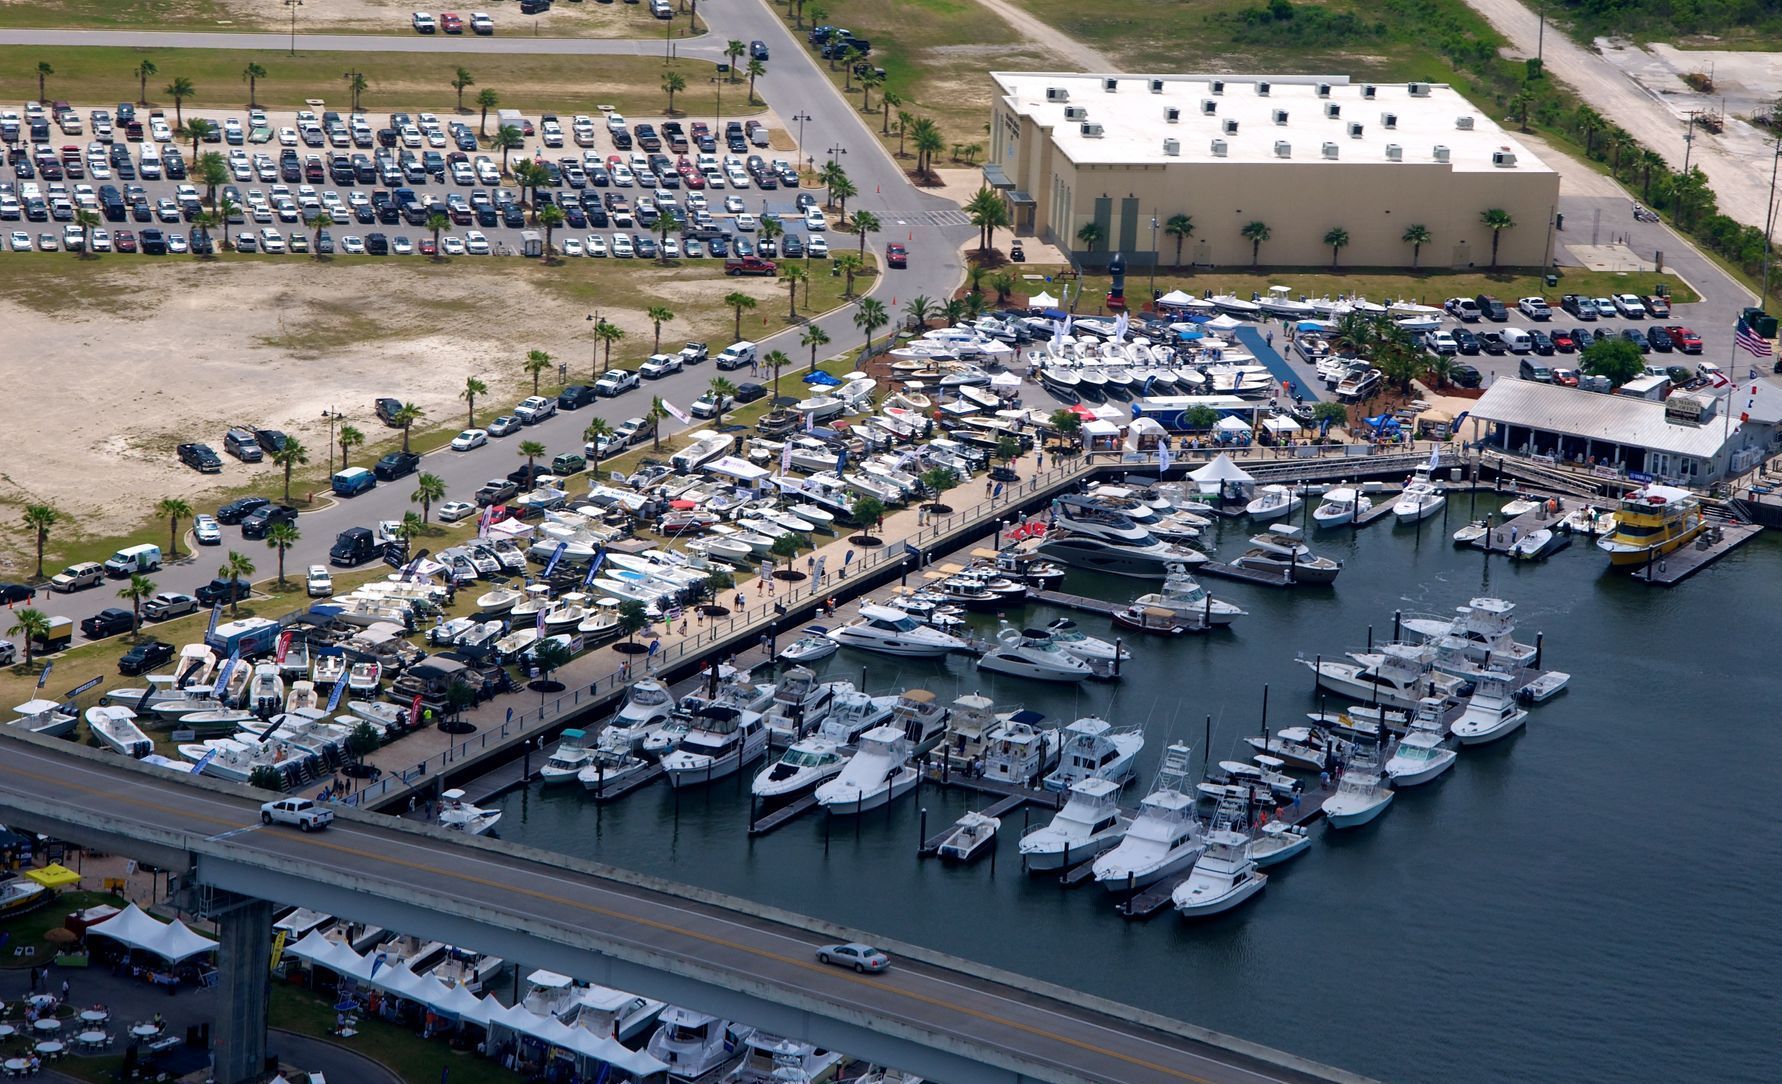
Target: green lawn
<point>573,84</point>
<point>405,1053</point>
<point>376,16</point>
<point>28,929</point>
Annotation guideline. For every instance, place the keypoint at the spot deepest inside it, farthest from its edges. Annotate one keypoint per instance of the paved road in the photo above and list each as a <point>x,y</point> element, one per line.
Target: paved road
<point>1060,1040</point>
<point>704,45</point>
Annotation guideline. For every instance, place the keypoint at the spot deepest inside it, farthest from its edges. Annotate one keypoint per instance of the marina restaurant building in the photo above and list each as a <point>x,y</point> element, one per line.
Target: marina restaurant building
<point>1302,154</point>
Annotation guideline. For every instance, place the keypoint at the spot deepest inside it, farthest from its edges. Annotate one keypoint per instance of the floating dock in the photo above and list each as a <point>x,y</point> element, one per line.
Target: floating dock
<point>1714,543</point>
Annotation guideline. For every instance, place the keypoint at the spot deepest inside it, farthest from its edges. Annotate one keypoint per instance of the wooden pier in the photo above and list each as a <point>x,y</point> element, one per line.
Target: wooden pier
<point>1103,608</point>
<point>1382,508</point>
<point>1712,544</point>
<point>1001,808</point>
<point>784,815</point>
<point>1257,576</point>
<point>613,792</point>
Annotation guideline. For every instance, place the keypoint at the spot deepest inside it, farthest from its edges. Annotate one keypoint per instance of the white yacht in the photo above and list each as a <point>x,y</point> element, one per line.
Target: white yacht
<point>1304,747</point>
<point>1068,636</point>
<point>1224,876</point>
<point>720,741</point>
<point>1283,549</point>
<point>1163,839</point>
<point>1340,507</point>
<point>1363,794</point>
<point>1491,712</point>
<point>1275,501</point>
<point>894,632</point>
<point>877,773</point>
<point>647,701</point>
<point>610,766</point>
<point>571,755</point>
<point>1089,535</point>
<point>458,815</point>
<point>1421,755</point>
<point>1032,653</point>
<point>922,719</point>
<point>690,1043</point>
<point>1396,674</point>
<point>1089,824</point>
<point>852,713</point>
<point>610,1013</point>
<point>1421,498</point>
<point>115,727</point>
<point>972,835</point>
<point>1093,749</point>
<point>1486,626</point>
<point>773,1059</point>
<point>1277,842</point>
<point>1020,750</point>
<point>1184,597</point>
<point>805,765</point>
<point>799,703</point>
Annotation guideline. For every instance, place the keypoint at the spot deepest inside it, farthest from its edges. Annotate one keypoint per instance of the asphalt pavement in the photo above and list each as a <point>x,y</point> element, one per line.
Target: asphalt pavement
<point>706,45</point>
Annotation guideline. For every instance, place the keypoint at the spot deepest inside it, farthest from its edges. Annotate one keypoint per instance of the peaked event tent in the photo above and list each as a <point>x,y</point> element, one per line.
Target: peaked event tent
<point>1042,300</point>
<point>1221,472</point>
<point>172,941</point>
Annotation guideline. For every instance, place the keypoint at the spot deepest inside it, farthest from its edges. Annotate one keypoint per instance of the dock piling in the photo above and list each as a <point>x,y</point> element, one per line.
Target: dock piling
<point>1397,621</point>
<point>922,832</point>
<point>1117,643</point>
<point>1538,650</point>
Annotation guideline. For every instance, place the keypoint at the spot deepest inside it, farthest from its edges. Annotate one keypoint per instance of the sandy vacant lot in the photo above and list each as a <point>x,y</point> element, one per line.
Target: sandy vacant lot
<point>113,363</point>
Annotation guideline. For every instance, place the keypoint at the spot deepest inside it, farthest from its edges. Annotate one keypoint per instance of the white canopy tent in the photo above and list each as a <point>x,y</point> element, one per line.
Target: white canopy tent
<point>740,469</point>
<point>319,951</point>
<point>584,1044</point>
<point>1233,424</point>
<point>1220,473</point>
<point>1042,300</point>
<point>1176,299</point>
<point>1223,322</point>
<point>172,941</point>
<point>461,1004</point>
<point>509,528</point>
<point>1280,423</point>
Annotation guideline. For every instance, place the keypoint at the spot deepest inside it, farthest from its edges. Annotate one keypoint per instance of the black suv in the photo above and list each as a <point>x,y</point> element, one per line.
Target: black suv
<point>387,409</point>
<point>145,657</point>
<point>107,622</point>
<point>261,519</point>
<point>240,508</point>
<point>575,396</point>
<point>395,465</point>
<point>1465,376</point>
<point>200,458</point>
<point>272,440</point>
<point>223,589</point>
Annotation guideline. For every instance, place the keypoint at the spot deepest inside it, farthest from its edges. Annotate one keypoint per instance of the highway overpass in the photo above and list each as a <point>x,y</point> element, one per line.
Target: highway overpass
<point>945,1018</point>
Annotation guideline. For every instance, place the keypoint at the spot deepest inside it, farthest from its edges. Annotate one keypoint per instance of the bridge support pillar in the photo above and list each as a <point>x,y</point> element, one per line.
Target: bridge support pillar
<point>238,1045</point>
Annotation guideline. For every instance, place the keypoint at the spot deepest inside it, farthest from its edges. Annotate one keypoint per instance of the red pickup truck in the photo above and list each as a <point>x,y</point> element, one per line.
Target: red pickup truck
<point>750,265</point>
<point>1684,339</point>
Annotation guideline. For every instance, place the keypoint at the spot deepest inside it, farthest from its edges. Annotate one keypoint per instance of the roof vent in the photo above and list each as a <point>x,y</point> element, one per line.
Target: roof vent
<point>1075,112</point>
<point>1368,90</point>
<point>1332,109</point>
<point>1110,85</point>
<point>1354,129</point>
<point>1464,122</point>
<point>1229,127</point>
<point>1209,106</point>
<point>1218,86</point>
<point>1394,153</point>
<point>1091,131</point>
<point>1283,149</point>
<point>1172,147</point>
<point>1262,88</point>
<point>1323,90</point>
<point>1219,148</point>
<point>1504,158</point>
<point>1440,153</point>
<point>1156,86</point>
<point>1330,150</point>
<point>1389,120</point>
<point>1280,116</point>
<point>1057,94</point>
<point>1419,90</point>
<point>1171,114</point>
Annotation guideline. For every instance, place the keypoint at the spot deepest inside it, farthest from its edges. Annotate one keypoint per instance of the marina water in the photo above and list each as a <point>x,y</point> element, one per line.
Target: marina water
<point>1588,900</point>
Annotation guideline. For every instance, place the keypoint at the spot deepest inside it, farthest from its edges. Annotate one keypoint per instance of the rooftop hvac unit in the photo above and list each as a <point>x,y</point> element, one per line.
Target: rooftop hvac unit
<point>1389,120</point>
<point>1172,147</point>
<point>1218,86</point>
<point>1440,153</point>
<point>1332,109</point>
<point>1110,85</point>
<point>1504,159</point>
<point>1419,90</point>
<point>1075,112</point>
<point>1330,150</point>
<point>1091,131</point>
<point>1057,94</point>
<point>1229,127</point>
<point>1394,153</point>
<point>1156,86</point>
<point>1219,148</point>
<point>1171,115</point>
<point>1262,88</point>
<point>1280,116</point>
<point>1209,106</point>
<point>1323,90</point>
<point>1368,90</point>
<point>1464,123</point>
<point>1283,149</point>
<point>1354,129</point>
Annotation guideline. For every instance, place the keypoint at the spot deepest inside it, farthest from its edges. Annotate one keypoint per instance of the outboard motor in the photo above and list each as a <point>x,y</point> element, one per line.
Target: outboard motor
<point>1117,289</point>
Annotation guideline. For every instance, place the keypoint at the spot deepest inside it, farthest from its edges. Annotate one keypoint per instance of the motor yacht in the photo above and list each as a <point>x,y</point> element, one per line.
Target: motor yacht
<point>609,766</point>
<point>1275,501</point>
<point>921,718</point>
<point>1283,550</point>
<point>115,727</point>
<point>1491,712</point>
<point>1364,792</point>
<point>1088,535</point>
<point>1303,747</point>
<point>690,1043</point>
<point>877,773</point>
<point>774,1059</point>
<point>1263,771</point>
<point>572,754</point>
<point>1421,754</point>
<point>1340,507</point>
<point>1032,653</point>
<point>798,704</point>
<point>852,713</point>
<point>1650,523</point>
<point>610,1013</point>
<point>1069,637</point>
<point>1397,674</point>
<point>458,815</point>
<point>1092,749</point>
<point>1486,625</point>
<point>813,647</point>
<point>1184,598</point>
<point>720,741</point>
<point>1223,877</point>
<point>1163,839</point>
<point>1421,497</point>
<point>646,701</point>
<point>1089,824</point>
<point>893,632</point>
<point>805,765</point>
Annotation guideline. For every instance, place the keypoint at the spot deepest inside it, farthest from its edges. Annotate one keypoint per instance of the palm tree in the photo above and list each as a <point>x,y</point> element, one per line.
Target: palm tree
<point>88,221</point>
<point>841,191</point>
<point>953,311</point>
<point>357,84</point>
<point>1497,220</point>
<point>658,315</point>
<point>1180,227</point>
<point>143,72</point>
<point>1255,232</point>
<point>39,518</point>
<point>552,219</point>
<point>775,361</point>
<point>869,317</point>
<point>460,80</point>
<point>673,83</point>
<point>771,228</point>
<point>1416,236</point>
<point>1590,122</point>
<point>739,301</point>
<point>754,71</point>
<point>865,222</point>
<point>472,388</point>
<point>530,176</point>
<point>507,139</point>
<point>486,99</point>
<point>723,391</point>
<point>906,122</point>
<point>792,275</point>
<point>350,437</point>
<point>869,81</point>
<point>175,510</point>
<point>214,172</point>
<point>43,71</point>
<point>1338,239</point>
<point>139,588</point>
<point>428,488</point>
<point>1090,234</point>
<point>813,337</point>
<point>197,131</point>
<point>406,416</point>
<point>597,428</point>
<point>437,222</point>
<point>234,568</point>
<point>1620,142</point>
<point>292,455</point>
<point>608,334</point>
<point>409,527</point>
<point>928,142</point>
<point>225,208</point>
<point>281,537</point>
<point>1003,282</point>
<point>734,49</point>
<point>1521,103</point>
<point>919,310</point>
<point>657,412</point>
<point>251,75</point>
<point>849,265</point>
<point>537,362</point>
<point>30,626</point>
<point>324,221</point>
<point>887,102</point>
<point>179,90</point>
<point>532,450</point>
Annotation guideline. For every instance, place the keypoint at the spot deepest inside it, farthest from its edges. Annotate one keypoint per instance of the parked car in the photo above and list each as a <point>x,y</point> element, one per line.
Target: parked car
<point>575,396</point>
<point>1659,339</point>
<point>263,518</point>
<point>659,366</point>
<point>497,490</point>
<point>1535,308</point>
<point>223,589</point>
<point>505,425</point>
<point>200,458</point>
<point>319,582</point>
<point>616,382</point>
<point>387,410</point>
<point>395,465</point>
<point>1633,335</point>
<point>167,605</point>
<point>144,657</point>
<point>76,577</point>
<point>1581,307</point>
<point>107,622</point>
<point>1465,376</point>
<point>1658,307</point>
<point>535,408</point>
<point>239,509</point>
<point>453,511</point>
<point>470,438</point>
<point>1684,339</point>
<point>1630,306</point>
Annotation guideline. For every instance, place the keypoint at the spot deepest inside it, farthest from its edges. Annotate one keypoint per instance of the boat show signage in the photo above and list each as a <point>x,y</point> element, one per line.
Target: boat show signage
<point>83,687</point>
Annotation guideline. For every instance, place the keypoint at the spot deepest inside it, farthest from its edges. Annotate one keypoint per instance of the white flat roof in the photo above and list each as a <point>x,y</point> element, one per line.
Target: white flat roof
<point>1134,121</point>
<point>1620,419</point>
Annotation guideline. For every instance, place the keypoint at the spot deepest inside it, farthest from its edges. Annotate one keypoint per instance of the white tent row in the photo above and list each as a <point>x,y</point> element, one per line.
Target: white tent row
<point>397,979</point>
<point>582,1042</point>
<point>172,941</point>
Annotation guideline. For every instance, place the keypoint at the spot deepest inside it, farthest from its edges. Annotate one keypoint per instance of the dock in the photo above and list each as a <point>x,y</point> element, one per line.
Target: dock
<point>784,815</point>
<point>1102,607</point>
<point>1500,537</point>
<point>1382,508</point>
<point>613,792</point>
<point>1257,576</point>
<point>1001,808</point>
<point>1712,544</point>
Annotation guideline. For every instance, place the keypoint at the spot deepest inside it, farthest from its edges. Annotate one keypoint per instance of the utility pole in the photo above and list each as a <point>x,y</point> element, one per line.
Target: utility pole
<point>1769,222</point>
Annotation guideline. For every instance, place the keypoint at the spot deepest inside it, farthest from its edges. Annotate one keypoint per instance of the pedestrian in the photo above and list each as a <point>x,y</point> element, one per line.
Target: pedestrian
<point>1324,780</point>
<point>683,626</point>
<point>1270,339</point>
<point>989,488</point>
<point>64,989</point>
<point>1042,460</point>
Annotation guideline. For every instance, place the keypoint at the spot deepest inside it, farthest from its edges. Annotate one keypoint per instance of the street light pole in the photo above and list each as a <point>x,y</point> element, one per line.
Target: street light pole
<point>1155,255</point>
<point>1769,222</point>
<point>333,416</point>
<point>293,5</point>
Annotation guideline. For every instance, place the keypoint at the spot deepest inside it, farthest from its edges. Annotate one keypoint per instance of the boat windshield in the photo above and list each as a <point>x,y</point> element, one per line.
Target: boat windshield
<point>649,695</point>
<point>803,758</point>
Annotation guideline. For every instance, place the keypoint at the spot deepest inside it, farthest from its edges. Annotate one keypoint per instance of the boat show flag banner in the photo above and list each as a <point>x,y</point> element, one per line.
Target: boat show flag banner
<point>414,711</point>
<point>222,682</point>
<point>679,414</point>
<point>334,695</point>
<point>82,687</point>
<point>594,567</point>
<point>44,677</point>
<point>216,615</point>
<point>556,556</point>
<point>284,647</point>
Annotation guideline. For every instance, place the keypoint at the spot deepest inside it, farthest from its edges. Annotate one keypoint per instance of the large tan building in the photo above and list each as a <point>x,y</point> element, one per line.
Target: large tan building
<point>1301,154</point>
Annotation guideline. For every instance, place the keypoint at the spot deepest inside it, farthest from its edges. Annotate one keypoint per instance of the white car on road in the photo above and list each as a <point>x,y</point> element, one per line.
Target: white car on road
<point>302,812</point>
<point>476,243</point>
<point>453,511</point>
<point>470,438</point>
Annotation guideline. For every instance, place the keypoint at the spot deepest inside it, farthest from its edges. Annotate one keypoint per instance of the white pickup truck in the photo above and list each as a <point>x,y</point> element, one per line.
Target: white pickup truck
<point>302,812</point>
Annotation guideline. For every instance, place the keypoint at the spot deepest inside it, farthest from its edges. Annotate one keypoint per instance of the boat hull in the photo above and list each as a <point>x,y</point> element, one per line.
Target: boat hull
<point>902,783</point>
<point>1015,667</point>
<point>1051,858</point>
<point>1207,905</point>
<point>1345,816</point>
<point>1503,730</point>
<point>1423,775</point>
<point>1119,880</point>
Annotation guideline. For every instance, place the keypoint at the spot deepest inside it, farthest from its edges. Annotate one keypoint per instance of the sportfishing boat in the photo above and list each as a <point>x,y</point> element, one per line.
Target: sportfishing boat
<point>1087,534</point>
<point>720,741</point>
<point>971,836</point>
<point>1069,637</point>
<point>609,766</point>
<point>1340,507</point>
<point>1089,824</point>
<point>44,717</point>
<point>18,895</point>
<point>1265,771</point>
<point>571,755</point>
<point>1491,712</point>
<point>1363,794</point>
<point>1277,842</point>
<point>774,1059</point>
<point>805,765</point>
<point>1032,653</point>
<point>1421,497</point>
<point>1397,674</point>
<point>498,601</point>
<point>296,657</point>
<point>1275,501</point>
<point>1093,749</point>
<point>1163,839</point>
<point>1223,877</point>
<point>852,713</point>
<point>921,718</point>
<point>1188,601</point>
<point>798,703</point>
<point>267,694</point>
<point>893,632</point>
<point>458,815</point>
<point>1421,754</point>
<point>879,772</point>
<point>1650,523</point>
<point>690,1043</point>
<point>1303,747</point>
<point>1283,550</point>
<point>115,727</point>
<point>1484,624</point>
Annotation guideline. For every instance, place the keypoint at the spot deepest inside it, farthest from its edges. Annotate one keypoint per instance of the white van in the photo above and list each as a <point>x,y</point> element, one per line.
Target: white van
<point>737,355</point>
<point>133,559</point>
<point>1516,340</point>
<point>149,163</point>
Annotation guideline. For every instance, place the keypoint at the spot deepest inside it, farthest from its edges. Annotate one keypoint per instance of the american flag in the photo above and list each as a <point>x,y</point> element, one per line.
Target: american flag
<point>1751,342</point>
